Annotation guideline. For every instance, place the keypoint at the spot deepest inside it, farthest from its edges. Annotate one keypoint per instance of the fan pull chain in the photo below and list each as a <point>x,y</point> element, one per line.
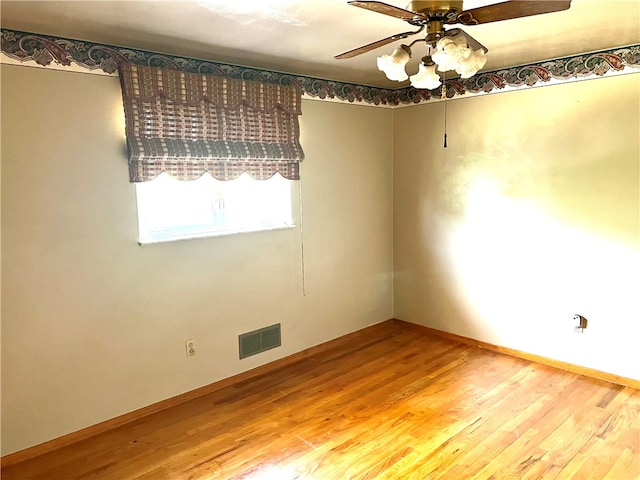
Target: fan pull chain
<point>444,98</point>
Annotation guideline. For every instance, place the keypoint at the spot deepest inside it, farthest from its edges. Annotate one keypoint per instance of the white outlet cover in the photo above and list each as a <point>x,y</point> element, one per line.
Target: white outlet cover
<point>190,347</point>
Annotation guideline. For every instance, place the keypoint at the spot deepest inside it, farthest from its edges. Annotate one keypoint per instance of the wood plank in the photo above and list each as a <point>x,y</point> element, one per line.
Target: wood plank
<point>588,372</point>
<point>395,403</point>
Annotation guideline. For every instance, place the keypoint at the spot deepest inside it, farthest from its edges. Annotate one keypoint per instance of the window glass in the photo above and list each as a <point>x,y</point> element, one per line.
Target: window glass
<point>171,209</point>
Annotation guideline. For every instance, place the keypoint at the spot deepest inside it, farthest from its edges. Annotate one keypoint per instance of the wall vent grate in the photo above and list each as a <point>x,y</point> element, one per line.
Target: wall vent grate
<point>259,341</point>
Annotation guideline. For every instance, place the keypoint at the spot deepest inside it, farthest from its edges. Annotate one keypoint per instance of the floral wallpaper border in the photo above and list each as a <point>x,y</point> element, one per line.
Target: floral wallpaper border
<point>43,49</point>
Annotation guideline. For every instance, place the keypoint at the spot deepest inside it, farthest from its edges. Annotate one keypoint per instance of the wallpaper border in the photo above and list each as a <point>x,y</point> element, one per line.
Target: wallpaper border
<point>45,50</point>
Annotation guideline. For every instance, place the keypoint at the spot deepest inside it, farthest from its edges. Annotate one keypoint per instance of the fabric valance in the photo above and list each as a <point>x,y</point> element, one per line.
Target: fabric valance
<point>187,124</point>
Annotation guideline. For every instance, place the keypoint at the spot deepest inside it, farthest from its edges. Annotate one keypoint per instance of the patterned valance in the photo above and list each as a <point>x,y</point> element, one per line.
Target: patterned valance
<point>187,124</point>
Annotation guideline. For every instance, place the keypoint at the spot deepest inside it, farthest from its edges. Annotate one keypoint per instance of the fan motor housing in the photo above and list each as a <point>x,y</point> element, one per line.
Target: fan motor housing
<point>436,8</point>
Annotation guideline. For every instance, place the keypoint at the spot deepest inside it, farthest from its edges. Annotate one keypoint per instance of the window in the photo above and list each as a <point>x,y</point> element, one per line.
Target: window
<point>185,130</point>
<point>170,209</point>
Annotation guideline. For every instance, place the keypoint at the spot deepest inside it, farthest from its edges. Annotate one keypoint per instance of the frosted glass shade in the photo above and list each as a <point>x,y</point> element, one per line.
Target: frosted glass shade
<point>426,77</point>
<point>450,52</point>
<point>470,66</point>
<point>393,65</point>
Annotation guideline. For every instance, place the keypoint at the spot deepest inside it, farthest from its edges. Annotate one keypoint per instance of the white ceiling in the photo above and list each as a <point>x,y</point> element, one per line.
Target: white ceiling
<point>302,36</point>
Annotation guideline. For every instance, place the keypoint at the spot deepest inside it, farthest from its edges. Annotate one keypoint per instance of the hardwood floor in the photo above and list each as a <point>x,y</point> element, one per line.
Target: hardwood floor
<point>397,404</point>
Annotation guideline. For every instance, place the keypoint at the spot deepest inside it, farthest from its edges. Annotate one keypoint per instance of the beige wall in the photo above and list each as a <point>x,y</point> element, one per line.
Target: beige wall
<point>531,214</point>
<point>94,325</point>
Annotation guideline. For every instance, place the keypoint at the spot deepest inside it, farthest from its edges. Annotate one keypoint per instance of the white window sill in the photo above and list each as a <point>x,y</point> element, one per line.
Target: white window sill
<point>165,238</point>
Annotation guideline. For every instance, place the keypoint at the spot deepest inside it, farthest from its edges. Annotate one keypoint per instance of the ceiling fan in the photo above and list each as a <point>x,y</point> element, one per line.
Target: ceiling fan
<point>451,49</point>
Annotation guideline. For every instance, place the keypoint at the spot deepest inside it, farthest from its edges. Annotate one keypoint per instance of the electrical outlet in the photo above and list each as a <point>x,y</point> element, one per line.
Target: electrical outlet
<point>581,323</point>
<point>190,346</point>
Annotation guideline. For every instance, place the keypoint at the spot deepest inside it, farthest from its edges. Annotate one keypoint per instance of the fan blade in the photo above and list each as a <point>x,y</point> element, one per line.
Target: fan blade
<point>374,45</point>
<point>390,10</point>
<point>472,42</point>
<point>507,10</point>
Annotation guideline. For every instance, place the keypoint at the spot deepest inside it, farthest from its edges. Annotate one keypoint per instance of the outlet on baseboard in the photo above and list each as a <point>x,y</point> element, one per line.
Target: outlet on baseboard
<point>190,346</point>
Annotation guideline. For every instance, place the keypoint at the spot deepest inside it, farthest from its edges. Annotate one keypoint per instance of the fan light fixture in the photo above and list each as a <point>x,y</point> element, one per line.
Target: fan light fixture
<point>445,54</point>
<point>451,49</point>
